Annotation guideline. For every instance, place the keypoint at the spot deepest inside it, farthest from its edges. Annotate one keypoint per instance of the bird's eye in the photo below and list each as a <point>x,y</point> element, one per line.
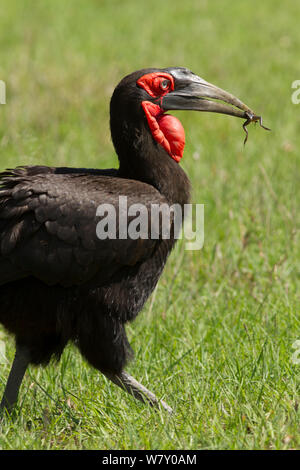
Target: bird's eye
<point>156,84</point>
<point>164,84</point>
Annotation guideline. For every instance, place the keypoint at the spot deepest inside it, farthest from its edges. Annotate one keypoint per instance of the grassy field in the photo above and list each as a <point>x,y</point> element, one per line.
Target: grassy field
<point>216,338</point>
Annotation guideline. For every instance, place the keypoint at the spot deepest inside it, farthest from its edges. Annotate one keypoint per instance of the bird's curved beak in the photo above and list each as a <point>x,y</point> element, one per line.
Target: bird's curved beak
<point>195,94</point>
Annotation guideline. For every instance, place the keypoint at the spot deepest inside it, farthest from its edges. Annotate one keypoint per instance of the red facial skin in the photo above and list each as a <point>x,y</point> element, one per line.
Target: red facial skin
<point>167,130</point>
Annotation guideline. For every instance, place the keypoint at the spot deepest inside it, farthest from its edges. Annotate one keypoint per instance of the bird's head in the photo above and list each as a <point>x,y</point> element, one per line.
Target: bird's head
<point>145,96</point>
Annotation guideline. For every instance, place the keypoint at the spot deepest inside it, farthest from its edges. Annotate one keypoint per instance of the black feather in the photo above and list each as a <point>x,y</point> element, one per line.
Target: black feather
<point>58,281</point>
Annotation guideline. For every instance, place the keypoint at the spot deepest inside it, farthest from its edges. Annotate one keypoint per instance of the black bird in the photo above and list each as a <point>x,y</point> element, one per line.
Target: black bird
<point>59,281</point>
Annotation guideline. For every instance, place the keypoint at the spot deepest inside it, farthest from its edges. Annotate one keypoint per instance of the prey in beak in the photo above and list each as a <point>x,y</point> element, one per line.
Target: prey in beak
<point>192,92</point>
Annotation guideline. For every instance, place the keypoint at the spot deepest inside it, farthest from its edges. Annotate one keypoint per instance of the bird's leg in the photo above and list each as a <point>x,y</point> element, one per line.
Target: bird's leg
<point>132,386</point>
<point>18,369</point>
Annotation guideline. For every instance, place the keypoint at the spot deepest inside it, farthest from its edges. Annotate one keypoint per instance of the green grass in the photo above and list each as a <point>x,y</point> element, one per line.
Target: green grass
<point>215,340</point>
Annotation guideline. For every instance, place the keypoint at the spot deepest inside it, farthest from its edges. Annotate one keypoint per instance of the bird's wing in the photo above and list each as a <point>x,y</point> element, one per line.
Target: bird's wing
<point>49,221</point>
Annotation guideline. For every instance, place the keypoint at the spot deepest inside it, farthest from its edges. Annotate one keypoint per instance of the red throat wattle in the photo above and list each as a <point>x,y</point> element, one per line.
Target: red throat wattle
<point>167,130</point>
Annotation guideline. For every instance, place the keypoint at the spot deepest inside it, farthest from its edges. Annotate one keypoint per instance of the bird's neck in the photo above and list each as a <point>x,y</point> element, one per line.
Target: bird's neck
<point>146,161</point>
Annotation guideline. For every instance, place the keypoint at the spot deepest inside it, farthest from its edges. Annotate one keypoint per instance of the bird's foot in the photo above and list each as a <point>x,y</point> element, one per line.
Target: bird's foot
<point>134,388</point>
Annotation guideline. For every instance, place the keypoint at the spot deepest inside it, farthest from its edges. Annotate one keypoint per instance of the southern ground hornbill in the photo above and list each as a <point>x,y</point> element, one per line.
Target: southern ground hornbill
<point>58,281</point>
